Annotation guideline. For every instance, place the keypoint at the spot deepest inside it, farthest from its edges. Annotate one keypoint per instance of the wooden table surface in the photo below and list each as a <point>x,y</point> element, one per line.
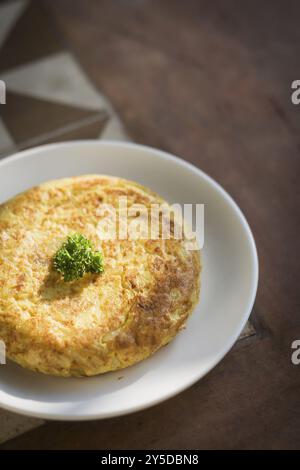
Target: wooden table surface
<point>211,82</point>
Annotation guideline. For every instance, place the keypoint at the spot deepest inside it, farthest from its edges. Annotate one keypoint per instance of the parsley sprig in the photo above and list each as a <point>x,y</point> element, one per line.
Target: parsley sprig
<point>77,257</point>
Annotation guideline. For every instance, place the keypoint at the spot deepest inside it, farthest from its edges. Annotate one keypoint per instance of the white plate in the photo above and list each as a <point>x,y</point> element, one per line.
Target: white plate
<point>229,283</point>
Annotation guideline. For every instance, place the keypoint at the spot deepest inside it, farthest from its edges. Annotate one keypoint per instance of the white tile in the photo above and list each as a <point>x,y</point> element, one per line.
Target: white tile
<point>114,130</point>
<point>56,78</point>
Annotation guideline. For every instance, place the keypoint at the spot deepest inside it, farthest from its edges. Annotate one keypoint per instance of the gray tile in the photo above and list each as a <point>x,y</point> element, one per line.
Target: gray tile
<point>12,425</point>
<point>9,14</point>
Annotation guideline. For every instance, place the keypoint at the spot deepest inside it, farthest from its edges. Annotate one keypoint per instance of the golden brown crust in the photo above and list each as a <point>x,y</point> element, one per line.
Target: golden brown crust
<point>101,322</point>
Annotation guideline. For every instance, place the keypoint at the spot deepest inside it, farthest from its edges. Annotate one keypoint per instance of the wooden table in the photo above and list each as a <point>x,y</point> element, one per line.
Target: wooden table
<point>211,82</point>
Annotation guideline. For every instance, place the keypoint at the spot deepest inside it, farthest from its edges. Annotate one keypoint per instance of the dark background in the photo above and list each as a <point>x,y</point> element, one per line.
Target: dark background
<point>211,82</point>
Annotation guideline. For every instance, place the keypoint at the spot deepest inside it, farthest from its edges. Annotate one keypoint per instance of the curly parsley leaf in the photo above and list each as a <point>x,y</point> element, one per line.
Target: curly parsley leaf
<point>77,257</point>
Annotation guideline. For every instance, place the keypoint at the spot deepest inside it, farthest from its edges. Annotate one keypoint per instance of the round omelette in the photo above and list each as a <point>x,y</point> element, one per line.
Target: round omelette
<point>101,322</point>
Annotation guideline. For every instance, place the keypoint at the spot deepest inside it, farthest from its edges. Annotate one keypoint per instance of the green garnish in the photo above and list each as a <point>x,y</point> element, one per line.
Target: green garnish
<point>77,257</point>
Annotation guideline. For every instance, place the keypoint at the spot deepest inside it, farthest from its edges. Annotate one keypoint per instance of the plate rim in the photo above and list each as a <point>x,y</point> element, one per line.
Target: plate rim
<point>230,341</point>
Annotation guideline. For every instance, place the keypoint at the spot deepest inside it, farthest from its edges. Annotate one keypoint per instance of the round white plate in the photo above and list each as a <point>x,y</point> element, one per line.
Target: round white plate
<point>229,283</point>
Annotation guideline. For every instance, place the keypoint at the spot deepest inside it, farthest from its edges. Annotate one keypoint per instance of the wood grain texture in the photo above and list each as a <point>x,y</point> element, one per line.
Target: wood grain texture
<point>211,82</point>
